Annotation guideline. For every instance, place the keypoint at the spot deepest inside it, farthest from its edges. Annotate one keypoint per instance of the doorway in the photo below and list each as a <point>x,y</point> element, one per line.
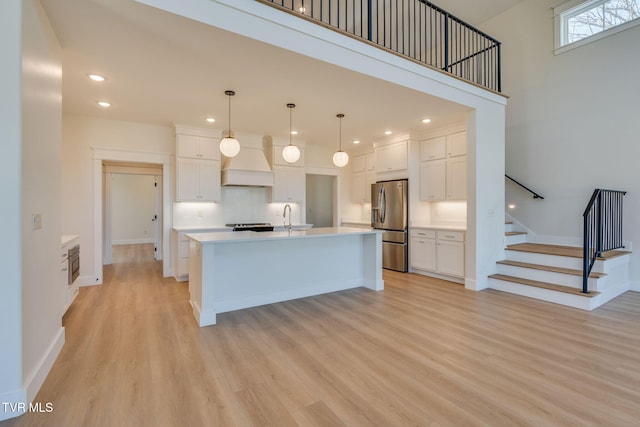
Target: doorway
<point>321,200</point>
<point>132,207</point>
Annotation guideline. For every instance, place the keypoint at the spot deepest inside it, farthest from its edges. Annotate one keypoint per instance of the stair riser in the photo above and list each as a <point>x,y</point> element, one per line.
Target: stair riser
<point>552,260</point>
<point>508,227</point>
<point>548,276</point>
<point>570,300</point>
<point>515,239</point>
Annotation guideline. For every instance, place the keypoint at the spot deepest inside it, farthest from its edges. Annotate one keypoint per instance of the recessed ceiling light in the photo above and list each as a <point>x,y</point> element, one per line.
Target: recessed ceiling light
<point>294,132</point>
<point>96,77</point>
<point>388,132</point>
<point>211,119</point>
<point>425,121</point>
<point>512,206</point>
<point>356,141</point>
<point>104,104</point>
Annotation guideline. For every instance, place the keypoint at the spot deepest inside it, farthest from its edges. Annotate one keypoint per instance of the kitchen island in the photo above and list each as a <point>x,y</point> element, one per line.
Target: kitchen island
<point>235,270</point>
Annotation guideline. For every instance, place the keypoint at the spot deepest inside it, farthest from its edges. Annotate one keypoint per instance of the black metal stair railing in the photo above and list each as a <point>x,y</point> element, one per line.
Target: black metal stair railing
<point>416,29</point>
<point>602,229</point>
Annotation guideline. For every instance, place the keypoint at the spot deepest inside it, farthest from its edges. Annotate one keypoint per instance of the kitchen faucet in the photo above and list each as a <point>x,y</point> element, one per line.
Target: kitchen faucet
<point>284,215</point>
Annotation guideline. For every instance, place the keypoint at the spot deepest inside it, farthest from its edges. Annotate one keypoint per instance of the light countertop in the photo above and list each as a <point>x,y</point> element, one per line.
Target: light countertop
<point>68,238</point>
<point>440,227</point>
<point>253,236</point>
<point>223,228</point>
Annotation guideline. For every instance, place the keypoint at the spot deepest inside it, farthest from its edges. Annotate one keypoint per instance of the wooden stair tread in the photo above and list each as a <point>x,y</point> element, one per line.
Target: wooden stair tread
<point>559,250</point>
<point>514,233</point>
<point>550,268</point>
<point>544,285</point>
<point>508,222</point>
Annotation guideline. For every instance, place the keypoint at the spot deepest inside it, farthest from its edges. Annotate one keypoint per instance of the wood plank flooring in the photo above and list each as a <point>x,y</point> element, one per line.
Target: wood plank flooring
<point>423,352</point>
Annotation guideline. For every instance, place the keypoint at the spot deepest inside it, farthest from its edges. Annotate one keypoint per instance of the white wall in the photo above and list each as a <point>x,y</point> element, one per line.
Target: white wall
<point>572,123</point>
<point>133,205</point>
<point>10,226</point>
<point>79,134</point>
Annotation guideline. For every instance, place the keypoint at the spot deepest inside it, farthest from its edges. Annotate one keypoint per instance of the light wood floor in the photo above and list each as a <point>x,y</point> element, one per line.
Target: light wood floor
<point>423,352</point>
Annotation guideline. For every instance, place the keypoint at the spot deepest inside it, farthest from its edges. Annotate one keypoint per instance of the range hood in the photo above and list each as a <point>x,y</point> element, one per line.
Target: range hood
<point>248,168</point>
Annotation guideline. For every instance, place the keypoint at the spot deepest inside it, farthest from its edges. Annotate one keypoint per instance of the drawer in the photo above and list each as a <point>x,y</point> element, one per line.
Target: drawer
<point>454,236</point>
<point>183,251</point>
<point>422,233</point>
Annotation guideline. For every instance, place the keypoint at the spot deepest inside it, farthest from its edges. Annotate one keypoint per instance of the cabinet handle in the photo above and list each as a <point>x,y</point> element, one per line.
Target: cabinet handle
<point>451,237</point>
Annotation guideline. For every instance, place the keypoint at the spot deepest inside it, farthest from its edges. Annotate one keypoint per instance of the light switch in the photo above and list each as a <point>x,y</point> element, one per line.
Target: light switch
<point>36,221</point>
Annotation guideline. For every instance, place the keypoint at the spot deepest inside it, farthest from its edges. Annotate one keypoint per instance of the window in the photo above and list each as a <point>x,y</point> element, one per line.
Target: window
<point>586,21</point>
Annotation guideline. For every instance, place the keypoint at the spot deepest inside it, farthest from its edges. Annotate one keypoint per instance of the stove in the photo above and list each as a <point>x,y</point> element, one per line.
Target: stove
<point>252,226</point>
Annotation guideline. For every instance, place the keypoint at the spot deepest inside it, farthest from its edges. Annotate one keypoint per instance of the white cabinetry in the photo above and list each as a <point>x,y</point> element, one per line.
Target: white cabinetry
<point>288,184</point>
<point>437,252</point>
<point>391,157</point>
<point>197,180</point>
<point>363,175</point>
<point>422,251</point>
<point>180,250</point>
<point>197,147</point>
<point>197,166</point>
<point>443,168</point>
<point>70,290</point>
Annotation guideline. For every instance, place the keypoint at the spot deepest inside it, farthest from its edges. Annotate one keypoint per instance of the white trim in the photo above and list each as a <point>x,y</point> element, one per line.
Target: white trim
<point>196,131</point>
<point>322,171</point>
<point>132,241</point>
<point>116,154</point>
<point>39,373</point>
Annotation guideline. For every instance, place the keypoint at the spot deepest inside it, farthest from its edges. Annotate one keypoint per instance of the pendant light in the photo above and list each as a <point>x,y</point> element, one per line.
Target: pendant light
<point>229,146</point>
<point>340,158</point>
<point>290,153</point>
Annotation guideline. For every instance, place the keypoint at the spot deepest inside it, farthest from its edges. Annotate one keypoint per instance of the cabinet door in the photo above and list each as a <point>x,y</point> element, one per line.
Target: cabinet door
<point>457,144</point>
<point>457,178</point>
<point>297,185</point>
<point>370,162</point>
<point>433,149</point>
<point>188,146</point>
<point>280,189</point>
<point>432,180</point>
<point>450,259</point>
<point>209,181</point>
<point>359,187</point>
<point>370,179</point>
<point>391,157</point>
<point>209,148</point>
<point>187,179</point>
<point>359,163</point>
<point>422,253</point>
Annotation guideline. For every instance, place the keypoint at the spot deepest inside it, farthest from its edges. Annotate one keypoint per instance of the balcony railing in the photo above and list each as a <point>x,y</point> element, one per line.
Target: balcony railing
<point>415,29</point>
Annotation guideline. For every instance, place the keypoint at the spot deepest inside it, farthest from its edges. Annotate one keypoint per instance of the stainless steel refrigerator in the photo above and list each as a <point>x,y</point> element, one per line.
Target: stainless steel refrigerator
<point>389,212</point>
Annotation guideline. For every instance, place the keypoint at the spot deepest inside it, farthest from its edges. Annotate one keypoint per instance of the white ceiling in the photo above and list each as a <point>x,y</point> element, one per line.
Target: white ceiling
<point>165,69</point>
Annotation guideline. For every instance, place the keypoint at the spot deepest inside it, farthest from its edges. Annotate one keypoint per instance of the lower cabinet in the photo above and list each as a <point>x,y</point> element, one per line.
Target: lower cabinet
<point>437,251</point>
<point>180,250</point>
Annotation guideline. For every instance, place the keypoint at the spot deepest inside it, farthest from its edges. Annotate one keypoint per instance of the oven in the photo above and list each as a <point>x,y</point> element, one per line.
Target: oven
<point>74,263</point>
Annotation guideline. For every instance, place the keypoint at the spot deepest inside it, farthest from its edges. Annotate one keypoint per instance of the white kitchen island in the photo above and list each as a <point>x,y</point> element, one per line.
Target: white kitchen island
<point>235,270</point>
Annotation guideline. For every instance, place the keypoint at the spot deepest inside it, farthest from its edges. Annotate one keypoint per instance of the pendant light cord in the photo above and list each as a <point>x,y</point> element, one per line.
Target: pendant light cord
<point>229,115</point>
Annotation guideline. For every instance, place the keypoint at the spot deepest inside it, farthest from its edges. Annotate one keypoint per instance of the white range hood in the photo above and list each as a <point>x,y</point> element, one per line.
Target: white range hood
<point>248,168</point>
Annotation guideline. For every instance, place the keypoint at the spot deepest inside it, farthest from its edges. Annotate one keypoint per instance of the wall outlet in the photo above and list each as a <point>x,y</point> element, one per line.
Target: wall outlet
<point>36,221</point>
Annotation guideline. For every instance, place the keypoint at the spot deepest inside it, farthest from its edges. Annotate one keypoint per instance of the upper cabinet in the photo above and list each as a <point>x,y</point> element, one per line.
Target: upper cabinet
<point>197,147</point>
<point>457,144</point>
<point>363,168</point>
<point>391,157</point>
<point>443,168</point>
<point>197,165</point>
<point>289,184</point>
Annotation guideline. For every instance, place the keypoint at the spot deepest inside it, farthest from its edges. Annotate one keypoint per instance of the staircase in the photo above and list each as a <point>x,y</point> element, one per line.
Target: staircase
<point>554,272</point>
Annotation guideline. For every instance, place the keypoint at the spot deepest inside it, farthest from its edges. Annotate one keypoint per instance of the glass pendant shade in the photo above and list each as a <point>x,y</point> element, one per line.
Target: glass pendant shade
<point>229,147</point>
<point>291,154</point>
<point>340,158</point>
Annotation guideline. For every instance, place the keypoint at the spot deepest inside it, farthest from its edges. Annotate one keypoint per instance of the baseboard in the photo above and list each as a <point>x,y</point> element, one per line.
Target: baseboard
<point>41,370</point>
<point>12,404</point>
<point>87,281</point>
<point>131,241</point>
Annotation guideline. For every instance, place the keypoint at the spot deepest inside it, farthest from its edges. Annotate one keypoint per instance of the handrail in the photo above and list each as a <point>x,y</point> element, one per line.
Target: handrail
<point>602,229</point>
<point>416,29</point>
<point>535,195</point>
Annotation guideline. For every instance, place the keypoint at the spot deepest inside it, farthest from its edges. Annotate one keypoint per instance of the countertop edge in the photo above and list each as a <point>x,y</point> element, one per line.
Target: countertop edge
<point>237,237</point>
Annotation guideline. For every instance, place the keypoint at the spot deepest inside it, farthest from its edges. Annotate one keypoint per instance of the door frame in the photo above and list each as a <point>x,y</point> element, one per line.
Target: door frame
<point>101,154</point>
